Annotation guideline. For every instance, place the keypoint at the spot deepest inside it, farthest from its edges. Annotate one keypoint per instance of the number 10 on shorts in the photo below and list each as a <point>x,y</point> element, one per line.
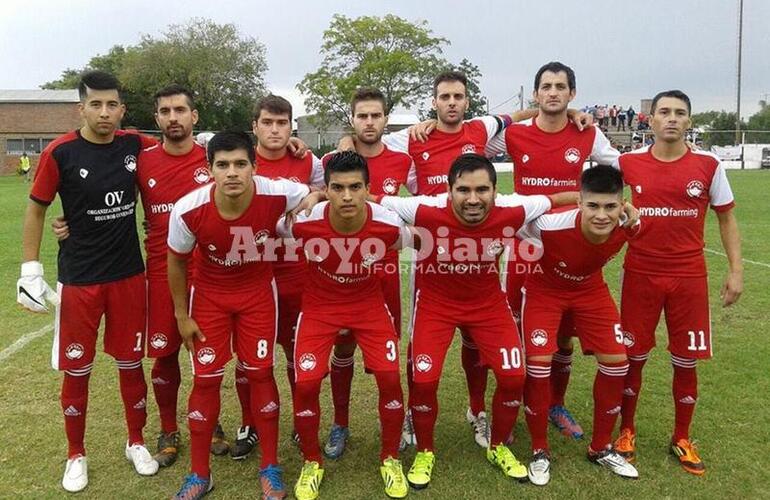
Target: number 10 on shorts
<point>511,358</point>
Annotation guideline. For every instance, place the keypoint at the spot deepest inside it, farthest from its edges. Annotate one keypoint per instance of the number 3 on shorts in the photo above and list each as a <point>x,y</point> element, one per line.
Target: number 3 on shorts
<point>391,347</point>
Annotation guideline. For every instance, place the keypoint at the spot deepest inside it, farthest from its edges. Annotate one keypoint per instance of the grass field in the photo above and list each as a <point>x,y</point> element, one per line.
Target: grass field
<point>731,424</point>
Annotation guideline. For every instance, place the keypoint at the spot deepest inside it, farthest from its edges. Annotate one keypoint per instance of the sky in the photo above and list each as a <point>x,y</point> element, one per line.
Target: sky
<point>621,50</point>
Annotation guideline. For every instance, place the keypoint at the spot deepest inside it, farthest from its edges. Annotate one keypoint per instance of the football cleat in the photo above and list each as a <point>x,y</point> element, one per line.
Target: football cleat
<point>501,456</point>
<point>219,445</point>
<point>539,469</point>
<point>75,474</point>
<point>168,448</point>
<point>245,440</point>
<point>407,432</point>
<point>421,470</point>
<point>271,480</point>
<point>194,487</point>
<point>309,481</point>
<point>625,444</point>
<point>563,420</point>
<point>335,445</point>
<point>393,476</point>
<point>612,460</point>
<point>143,462</point>
<point>481,427</point>
<point>687,453</point>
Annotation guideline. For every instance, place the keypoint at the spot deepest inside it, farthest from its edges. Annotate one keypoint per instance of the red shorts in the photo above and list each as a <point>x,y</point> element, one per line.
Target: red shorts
<point>244,322</point>
<point>122,302</point>
<point>391,288</point>
<point>688,318</point>
<point>162,333</point>
<point>514,282</point>
<point>289,306</point>
<point>317,331</point>
<point>490,326</point>
<point>592,313</point>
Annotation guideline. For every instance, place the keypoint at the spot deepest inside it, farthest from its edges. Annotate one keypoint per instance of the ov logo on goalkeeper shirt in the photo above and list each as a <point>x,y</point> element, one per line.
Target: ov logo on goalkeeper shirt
<point>206,356</point>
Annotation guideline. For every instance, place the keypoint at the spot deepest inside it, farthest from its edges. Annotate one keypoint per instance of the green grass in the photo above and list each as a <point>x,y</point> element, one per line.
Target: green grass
<point>731,424</point>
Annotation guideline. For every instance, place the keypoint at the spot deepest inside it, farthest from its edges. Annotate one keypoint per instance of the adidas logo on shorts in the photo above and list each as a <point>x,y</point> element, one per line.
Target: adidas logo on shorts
<point>71,411</point>
<point>269,407</point>
<point>306,413</point>
<point>394,405</point>
<point>196,415</point>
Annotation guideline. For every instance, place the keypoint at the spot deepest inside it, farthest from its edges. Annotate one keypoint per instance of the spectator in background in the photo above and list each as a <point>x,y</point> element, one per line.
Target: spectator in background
<point>631,113</point>
<point>621,120</point>
<point>614,116</point>
<point>601,117</point>
<point>24,166</point>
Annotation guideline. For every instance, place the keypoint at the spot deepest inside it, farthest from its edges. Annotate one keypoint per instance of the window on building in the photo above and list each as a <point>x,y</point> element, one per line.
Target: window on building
<point>44,143</point>
<point>14,146</point>
<point>32,146</point>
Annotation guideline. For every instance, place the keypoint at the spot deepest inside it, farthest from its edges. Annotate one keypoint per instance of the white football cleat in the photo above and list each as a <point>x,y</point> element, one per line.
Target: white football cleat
<point>143,462</point>
<point>481,428</point>
<point>539,469</point>
<point>75,474</point>
<point>407,432</point>
<point>612,460</point>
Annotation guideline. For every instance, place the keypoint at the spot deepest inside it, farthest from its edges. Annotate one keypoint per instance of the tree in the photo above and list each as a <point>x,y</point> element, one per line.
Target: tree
<point>224,69</point>
<point>389,53</point>
<point>760,121</point>
<point>111,62</point>
<point>721,123</point>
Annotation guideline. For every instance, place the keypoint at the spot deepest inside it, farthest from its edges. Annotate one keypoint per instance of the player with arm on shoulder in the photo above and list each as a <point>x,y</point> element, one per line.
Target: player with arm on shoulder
<point>345,239</point>
<point>575,245</point>
<point>665,269</point>
<point>100,268</point>
<point>228,230</point>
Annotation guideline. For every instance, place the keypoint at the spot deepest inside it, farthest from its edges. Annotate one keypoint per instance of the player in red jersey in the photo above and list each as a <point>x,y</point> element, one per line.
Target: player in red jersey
<point>388,171</point>
<point>226,228</point>
<point>100,266</point>
<point>275,160</point>
<point>548,153</point>
<point>576,244</point>
<point>665,269</point>
<point>344,240</point>
<point>458,286</point>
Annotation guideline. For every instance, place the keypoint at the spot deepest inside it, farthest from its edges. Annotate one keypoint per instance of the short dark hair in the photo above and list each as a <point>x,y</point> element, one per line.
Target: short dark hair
<point>174,89</point>
<point>366,94</point>
<point>470,162</point>
<point>602,179</point>
<point>230,140</point>
<point>97,80</point>
<point>274,104</point>
<point>556,67</point>
<point>344,162</point>
<point>449,76</point>
<point>677,94</point>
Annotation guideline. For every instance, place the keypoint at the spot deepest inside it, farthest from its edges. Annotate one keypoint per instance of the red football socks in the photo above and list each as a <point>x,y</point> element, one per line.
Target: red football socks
<point>631,388</point>
<point>202,417</point>
<point>685,391</point>
<point>307,415</point>
<point>133,391</point>
<point>505,407</point>
<point>165,384</point>
<point>537,397</point>
<point>244,394</point>
<point>74,403</point>
<point>475,376</point>
<point>423,401</point>
<point>391,409</point>
<point>265,410</point>
<point>561,368</point>
<point>608,396</point>
<point>341,379</point>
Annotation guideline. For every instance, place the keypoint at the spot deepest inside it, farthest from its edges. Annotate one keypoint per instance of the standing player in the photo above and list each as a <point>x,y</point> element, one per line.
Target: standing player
<point>388,171</point>
<point>345,239</point>
<point>548,153</point>
<point>272,128</point>
<point>101,272</point>
<point>232,303</point>
<point>576,244</point>
<point>665,269</point>
<point>457,286</point>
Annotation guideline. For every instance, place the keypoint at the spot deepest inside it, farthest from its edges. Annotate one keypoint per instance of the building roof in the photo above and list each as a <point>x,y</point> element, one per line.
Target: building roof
<point>38,95</point>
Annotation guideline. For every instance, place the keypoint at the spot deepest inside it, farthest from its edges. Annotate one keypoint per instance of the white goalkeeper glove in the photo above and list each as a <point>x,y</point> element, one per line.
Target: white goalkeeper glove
<point>32,291</point>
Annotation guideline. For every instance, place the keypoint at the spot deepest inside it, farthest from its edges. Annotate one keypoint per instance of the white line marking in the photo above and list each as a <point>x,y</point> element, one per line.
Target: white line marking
<point>23,341</point>
<point>763,264</point>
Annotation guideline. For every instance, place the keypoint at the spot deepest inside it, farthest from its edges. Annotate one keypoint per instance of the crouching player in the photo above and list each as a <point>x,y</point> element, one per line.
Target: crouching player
<point>232,300</point>
<point>576,244</point>
<point>345,239</point>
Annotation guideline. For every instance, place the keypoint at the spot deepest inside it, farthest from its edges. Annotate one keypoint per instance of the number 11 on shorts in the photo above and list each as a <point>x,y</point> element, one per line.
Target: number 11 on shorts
<point>697,341</point>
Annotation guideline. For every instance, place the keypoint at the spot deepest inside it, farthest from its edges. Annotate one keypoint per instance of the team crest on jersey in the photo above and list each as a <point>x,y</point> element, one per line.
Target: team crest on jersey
<point>389,185</point>
<point>468,148</point>
<point>425,156</point>
<point>628,339</point>
<point>638,189</point>
<point>158,341</point>
<point>695,189</point>
<point>83,173</point>
<point>539,337</point>
<point>206,356</point>
<point>495,248</point>
<point>130,163</point>
<point>525,158</point>
<point>572,155</point>
<point>201,175</point>
<point>151,183</point>
<point>261,237</point>
<point>368,260</point>
<point>423,363</point>
<point>307,362</point>
<point>212,248</point>
<point>562,263</point>
<point>74,351</point>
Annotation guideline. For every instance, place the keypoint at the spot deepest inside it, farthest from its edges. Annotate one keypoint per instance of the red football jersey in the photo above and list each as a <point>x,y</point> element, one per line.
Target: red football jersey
<point>458,264</point>
<point>343,267</point>
<point>568,259</point>
<point>388,171</point>
<point>672,198</point>
<point>433,158</point>
<point>307,170</point>
<point>163,179</point>
<point>547,163</point>
<point>232,255</point>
